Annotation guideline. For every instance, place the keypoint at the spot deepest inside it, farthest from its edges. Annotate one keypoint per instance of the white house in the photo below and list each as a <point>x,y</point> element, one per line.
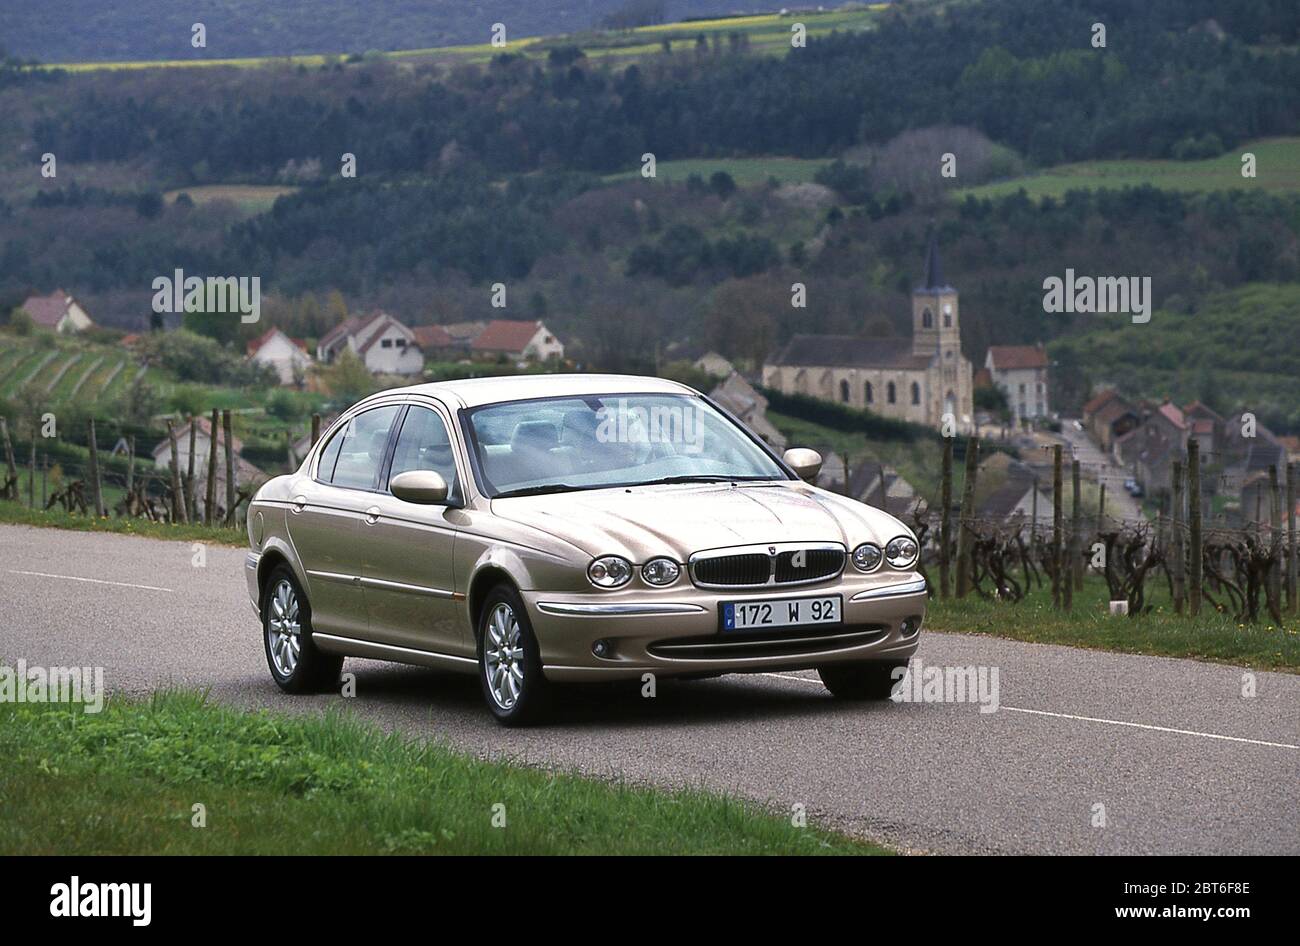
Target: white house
<point>287,356</point>
<point>245,473</point>
<point>383,344</point>
<point>1021,372</point>
<point>519,341</point>
<point>58,311</point>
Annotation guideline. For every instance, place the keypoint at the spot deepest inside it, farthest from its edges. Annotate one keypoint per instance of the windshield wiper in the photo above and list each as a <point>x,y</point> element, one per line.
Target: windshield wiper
<point>537,490</point>
<point>703,478</point>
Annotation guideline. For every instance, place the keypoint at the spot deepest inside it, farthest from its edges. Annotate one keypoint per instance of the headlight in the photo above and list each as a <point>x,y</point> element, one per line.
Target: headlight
<point>901,552</point>
<point>609,571</point>
<point>660,571</point>
<point>866,557</point>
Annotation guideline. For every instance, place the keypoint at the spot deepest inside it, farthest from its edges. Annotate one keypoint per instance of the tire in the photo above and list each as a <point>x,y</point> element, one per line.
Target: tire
<point>509,660</point>
<point>286,625</point>
<point>869,680</point>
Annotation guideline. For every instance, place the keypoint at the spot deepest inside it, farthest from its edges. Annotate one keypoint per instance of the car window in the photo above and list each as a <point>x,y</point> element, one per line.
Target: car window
<point>424,444</point>
<point>361,448</point>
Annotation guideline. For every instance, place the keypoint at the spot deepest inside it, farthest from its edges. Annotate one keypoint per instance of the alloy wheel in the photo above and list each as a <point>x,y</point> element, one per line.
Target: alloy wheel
<point>503,656</point>
<point>284,629</point>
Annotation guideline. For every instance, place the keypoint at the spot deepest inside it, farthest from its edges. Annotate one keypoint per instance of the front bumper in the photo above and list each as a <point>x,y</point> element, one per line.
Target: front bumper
<point>676,631</point>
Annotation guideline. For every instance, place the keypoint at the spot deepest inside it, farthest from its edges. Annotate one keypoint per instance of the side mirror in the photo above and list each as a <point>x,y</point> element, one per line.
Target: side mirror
<point>423,487</point>
<point>805,463</point>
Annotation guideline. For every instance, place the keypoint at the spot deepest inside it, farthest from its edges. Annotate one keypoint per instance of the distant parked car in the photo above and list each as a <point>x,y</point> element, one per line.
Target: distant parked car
<point>1133,487</point>
<point>540,529</point>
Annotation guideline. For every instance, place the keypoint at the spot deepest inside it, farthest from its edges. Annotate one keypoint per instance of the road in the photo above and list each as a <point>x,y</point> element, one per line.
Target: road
<point>1101,468</point>
<point>1181,762</point>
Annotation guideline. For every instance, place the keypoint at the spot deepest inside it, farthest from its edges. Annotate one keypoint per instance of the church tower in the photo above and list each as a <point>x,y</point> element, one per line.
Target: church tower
<point>936,334</point>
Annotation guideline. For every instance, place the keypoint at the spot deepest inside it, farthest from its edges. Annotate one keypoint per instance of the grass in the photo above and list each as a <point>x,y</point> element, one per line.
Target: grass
<point>126,780</point>
<point>766,33</point>
<point>17,513</point>
<point>1211,636</point>
<point>249,198</point>
<point>744,171</point>
<point>1277,170</point>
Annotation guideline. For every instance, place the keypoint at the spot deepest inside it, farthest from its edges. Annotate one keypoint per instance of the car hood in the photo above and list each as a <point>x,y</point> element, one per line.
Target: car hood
<point>643,522</point>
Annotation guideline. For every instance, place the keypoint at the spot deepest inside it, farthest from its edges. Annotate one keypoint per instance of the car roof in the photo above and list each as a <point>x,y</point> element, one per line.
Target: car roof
<point>472,392</point>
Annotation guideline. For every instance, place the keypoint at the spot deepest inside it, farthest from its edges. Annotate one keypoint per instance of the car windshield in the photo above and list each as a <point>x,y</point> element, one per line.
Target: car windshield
<point>570,443</point>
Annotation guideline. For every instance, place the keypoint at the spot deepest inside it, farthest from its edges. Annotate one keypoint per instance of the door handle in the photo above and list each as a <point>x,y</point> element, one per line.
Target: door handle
<point>372,515</point>
<point>299,503</point>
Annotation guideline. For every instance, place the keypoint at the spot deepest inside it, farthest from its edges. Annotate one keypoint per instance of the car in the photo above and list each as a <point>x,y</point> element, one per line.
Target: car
<point>546,529</point>
<point>1133,488</point>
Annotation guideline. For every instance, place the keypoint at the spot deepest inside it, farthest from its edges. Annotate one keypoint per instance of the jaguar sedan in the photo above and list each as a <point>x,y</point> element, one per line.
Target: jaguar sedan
<point>547,529</point>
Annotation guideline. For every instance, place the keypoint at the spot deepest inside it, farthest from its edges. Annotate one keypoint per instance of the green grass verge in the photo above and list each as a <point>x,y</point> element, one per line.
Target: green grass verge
<point>124,781</point>
<point>14,513</point>
<point>1277,171</point>
<point>744,171</point>
<point>1211,636</point>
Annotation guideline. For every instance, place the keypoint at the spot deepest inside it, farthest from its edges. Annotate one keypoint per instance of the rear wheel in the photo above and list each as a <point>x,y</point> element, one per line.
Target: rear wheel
<point>869,680</point>
<point>509,660</point>
<point>295,662</point>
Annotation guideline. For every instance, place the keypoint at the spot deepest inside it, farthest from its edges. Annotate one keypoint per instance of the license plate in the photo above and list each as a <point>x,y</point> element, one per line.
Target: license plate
<point>780,612</point>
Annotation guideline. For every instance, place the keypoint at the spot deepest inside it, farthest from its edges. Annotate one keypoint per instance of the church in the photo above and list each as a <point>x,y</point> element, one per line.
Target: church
<point>918,379</point>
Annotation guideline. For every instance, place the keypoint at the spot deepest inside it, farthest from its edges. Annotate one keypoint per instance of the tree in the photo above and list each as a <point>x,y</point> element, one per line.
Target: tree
<point>348,379</point>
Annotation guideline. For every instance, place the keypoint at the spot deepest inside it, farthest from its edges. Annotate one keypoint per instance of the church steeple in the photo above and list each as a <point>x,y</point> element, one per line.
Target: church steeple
<point>933,266</point>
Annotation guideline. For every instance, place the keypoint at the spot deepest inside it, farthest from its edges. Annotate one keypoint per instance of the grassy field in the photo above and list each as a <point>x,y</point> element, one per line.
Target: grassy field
<point>17,513</point>
<point>249,198</point>
<point>1211,636</point>
<point>1277,170</point>
<point>126,780</point>
<point>769,32</point>
<point>745,171</point>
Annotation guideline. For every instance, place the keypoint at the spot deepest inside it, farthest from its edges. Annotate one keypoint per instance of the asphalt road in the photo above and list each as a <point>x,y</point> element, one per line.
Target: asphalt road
<point>1100,467</point>
<point>1181,762</point>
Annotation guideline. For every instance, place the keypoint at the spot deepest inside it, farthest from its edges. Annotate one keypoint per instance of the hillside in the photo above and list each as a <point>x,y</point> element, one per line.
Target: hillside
<point>1236,350</point>
<point>90,30</point>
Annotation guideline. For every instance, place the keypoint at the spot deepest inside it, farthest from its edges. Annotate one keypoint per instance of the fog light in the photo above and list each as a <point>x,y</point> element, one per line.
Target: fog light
<point>600,648</point>
<point>909,627</point>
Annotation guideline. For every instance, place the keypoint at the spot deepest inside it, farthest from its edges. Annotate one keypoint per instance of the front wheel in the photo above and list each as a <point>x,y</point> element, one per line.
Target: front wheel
<point>296,664</point>
<point>509,660</point>
<point>869,680</point>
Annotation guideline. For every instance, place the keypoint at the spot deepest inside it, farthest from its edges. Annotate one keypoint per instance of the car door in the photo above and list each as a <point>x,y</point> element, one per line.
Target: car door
<point>325,517</point>
<point>408,570</point>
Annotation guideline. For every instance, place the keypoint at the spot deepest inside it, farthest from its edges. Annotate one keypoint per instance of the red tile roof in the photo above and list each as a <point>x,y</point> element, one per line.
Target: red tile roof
<point>256,344</point>
<point>47,310</point>
<point>1100,401</point>
<point>432,336</point>
<point>1173,415</point>
<point>1007,357</point>
<point>505,335</point>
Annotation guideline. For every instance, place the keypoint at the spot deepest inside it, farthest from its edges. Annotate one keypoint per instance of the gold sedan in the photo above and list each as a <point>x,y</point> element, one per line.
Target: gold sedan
<point>553,528</point>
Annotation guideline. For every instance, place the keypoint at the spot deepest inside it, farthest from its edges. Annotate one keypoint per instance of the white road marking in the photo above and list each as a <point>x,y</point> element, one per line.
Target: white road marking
<point>1181,732</point>
<point>93,581</point>
<point>1095,719</point>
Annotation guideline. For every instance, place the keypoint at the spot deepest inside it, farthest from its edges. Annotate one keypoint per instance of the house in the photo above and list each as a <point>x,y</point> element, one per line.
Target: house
<point>1021,372</point>
<point>1108,416</point>
<point>1206,427</point>
<point>517,341</point>
<point>384,345</point>
<point>714,365</point>
<point>919,379</point>
<point>59,312</point>
<point>286,356</point>
<point>881,487</point>
<point>1151,449</point>
<point>245,473</point>
<point>1018,498</point>
<point>463,333</point>
<point>436,342</point>
<point>739,397</point>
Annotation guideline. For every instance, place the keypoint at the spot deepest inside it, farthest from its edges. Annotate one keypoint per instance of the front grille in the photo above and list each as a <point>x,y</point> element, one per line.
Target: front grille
<point>808,565</point>
<point>792,642</point>
<point>751,569</point>
<point>786,564</point>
